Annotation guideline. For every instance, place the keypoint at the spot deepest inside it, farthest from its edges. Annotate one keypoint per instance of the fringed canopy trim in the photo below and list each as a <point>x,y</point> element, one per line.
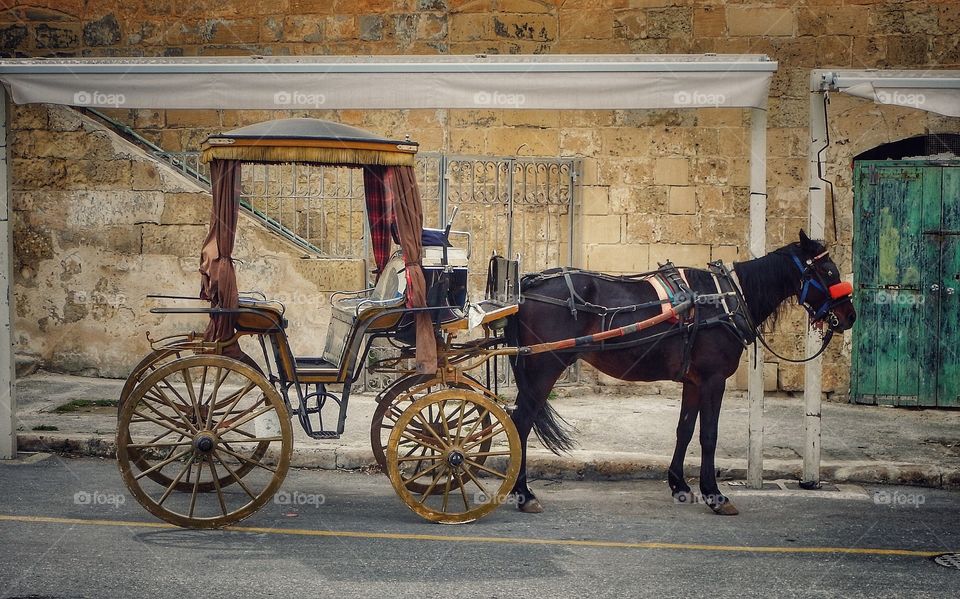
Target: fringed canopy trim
<point>333,152</point>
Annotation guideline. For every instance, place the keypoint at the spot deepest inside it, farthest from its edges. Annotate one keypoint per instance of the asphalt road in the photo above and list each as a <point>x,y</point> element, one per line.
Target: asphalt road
<point>68,528</point>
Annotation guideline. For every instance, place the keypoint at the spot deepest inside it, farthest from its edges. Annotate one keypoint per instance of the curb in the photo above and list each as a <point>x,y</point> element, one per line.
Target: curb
<point>579,465</point>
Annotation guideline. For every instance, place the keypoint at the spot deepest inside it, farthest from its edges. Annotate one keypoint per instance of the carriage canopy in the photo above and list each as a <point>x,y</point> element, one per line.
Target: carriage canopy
<point>393,203</point>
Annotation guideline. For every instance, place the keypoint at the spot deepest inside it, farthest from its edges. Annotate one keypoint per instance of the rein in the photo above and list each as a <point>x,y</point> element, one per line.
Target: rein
<point>823,348</point>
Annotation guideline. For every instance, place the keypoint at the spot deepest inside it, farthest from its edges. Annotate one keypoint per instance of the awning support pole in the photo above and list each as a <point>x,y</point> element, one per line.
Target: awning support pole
<point>758,247</point>
<point>8,404</point>
<point>816,213</point>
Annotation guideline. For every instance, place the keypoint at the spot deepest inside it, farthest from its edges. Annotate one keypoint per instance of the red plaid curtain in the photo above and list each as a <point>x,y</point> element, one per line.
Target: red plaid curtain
<point>380,214</point>
<point>395,210</point>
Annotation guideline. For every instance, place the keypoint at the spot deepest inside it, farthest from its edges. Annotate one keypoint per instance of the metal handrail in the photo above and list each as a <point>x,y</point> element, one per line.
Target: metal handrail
<point>177,160</point>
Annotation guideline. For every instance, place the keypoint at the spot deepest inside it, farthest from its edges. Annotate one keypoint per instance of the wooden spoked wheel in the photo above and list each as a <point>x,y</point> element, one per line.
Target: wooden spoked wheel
<point>199,420</point>
<point>396,398</point>
<point>149,364</point>
<point>438,442</point>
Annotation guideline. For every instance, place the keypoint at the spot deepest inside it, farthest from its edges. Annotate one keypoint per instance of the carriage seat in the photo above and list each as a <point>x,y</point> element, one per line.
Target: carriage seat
<point>388,292</point>
<point>260,316</point>
<point>349,309</point>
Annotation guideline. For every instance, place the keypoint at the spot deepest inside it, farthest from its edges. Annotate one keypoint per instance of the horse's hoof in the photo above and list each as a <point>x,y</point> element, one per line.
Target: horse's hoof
<point>725,509</point>
<point>531,506</point>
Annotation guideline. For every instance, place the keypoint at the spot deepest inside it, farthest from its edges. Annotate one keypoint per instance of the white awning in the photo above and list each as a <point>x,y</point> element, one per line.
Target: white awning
<point>396,82</point>
<point>930,90</point>
<point>376,82</point>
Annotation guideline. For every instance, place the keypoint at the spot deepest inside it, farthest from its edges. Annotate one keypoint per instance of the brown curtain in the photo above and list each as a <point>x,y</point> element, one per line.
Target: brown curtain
<point>400,184</point>
<point>218,278</point>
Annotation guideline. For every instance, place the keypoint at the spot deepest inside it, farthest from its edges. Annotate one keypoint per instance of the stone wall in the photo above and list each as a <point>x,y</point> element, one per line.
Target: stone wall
<point>657,184</point>
<point>98,225</point>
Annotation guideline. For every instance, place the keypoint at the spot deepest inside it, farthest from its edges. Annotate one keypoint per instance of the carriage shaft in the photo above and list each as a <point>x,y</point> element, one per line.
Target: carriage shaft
<point>668,314</point>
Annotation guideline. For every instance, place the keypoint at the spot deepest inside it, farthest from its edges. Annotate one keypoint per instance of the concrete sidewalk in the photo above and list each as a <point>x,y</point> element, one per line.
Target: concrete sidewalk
<point>618,437</point>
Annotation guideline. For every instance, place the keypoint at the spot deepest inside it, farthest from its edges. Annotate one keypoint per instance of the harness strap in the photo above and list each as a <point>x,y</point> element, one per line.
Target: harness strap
<point>533,278</point>
<point>575,302</point>
<point>671,283</point>
<point>723,297</point>
<point>727,318</point>
<point>573,294</point>
<point>737,318</point>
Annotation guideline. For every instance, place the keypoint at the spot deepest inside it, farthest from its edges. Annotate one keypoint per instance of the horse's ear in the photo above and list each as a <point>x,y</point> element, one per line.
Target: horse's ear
<point>806,243</point>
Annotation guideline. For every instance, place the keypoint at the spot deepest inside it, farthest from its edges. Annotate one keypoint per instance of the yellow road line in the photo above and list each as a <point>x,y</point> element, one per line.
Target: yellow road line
<point>302,532</point>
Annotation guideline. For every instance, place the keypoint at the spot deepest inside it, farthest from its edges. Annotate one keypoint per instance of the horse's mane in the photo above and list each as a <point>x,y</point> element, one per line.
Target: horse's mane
<point>767,281</point>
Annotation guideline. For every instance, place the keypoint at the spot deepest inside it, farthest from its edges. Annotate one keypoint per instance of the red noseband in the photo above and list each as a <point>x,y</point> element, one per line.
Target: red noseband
<point>841,289</point>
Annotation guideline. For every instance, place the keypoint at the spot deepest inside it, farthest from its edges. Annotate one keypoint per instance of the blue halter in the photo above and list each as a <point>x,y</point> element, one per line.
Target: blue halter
<point>811,281</point>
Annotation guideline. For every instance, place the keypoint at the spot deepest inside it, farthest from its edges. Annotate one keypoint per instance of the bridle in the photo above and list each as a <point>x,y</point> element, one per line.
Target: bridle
<point>834,295</point>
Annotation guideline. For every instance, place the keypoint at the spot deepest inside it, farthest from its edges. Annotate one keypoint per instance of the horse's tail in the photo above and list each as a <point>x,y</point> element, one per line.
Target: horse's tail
<point>552,430</point>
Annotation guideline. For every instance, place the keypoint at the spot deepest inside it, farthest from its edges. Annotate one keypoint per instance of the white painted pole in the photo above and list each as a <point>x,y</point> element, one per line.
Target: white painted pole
<point>812,371</point>
<point>758,247</point>
<point>8,404</point>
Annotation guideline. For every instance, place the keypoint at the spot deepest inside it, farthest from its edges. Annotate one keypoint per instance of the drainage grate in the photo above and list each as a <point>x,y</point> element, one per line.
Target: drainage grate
<point>796,485</point>
<point>948,560</point>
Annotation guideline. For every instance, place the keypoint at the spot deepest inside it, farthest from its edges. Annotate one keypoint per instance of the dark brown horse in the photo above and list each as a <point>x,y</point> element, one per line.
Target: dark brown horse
<point>701,351</point>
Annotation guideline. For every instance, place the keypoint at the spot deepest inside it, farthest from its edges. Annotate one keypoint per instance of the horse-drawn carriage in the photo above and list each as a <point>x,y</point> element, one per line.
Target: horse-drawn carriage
<point>204,437</point>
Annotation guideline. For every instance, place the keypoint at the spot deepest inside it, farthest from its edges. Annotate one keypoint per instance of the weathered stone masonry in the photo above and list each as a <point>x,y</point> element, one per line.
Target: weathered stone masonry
<point>98,225</point>
<point>657,184</point>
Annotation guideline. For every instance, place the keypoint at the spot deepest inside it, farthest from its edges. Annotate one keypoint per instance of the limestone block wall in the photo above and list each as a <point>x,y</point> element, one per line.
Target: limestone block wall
<point>98,225</point>
<point>656,184</point>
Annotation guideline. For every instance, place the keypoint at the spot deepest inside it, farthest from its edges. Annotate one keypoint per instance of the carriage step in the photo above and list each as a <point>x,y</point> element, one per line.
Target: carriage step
<point>324,434</point>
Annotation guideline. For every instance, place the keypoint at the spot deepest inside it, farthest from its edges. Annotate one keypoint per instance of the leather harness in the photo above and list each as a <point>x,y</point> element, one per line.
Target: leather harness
<point>672,288</point>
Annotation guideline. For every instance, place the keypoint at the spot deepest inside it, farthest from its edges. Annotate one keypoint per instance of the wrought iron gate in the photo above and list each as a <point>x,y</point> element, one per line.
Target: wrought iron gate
<point>508,205</point>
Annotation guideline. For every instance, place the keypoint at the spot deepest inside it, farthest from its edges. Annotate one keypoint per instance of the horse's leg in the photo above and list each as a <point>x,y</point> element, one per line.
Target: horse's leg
<point>711,397</point>
<point>523,419</point>
<point>688,421</point>
<point>535,377</point>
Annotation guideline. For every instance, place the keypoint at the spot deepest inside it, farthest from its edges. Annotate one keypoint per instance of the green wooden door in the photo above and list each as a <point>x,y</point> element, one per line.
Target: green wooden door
<point>907,275</point>
<point>948,380</point>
